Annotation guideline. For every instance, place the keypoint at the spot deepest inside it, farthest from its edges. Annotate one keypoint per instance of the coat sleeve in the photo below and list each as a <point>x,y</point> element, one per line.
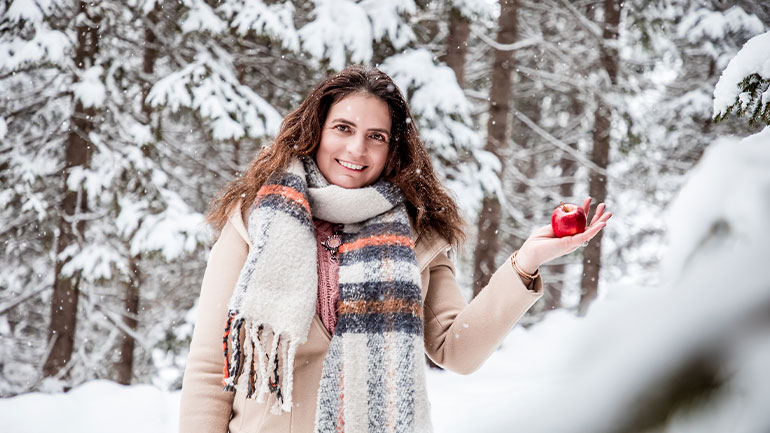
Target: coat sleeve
<point>204,406</point>
<point>460,336</point>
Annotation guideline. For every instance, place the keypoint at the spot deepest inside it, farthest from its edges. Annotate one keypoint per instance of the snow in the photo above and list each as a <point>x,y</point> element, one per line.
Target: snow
<point>210,86</point>
<point>385,20</point>
<point>176,230</point>
<point>566,373</point>
<point>24,10</point>
<point>275,21</point>
<point>90,89</point>
<point>140,134</point>
<point>90,408</point>
<point>435,86</point>
<point>148,5</point>
<point>95,261</point>
<point>715,25</point>
<point>753,58</point>
<point>93,180</point>
<point>16,52</point>
<point>340,29</point>
<point>201,18</point>
<point>477,9</point>
<point>721,206</point>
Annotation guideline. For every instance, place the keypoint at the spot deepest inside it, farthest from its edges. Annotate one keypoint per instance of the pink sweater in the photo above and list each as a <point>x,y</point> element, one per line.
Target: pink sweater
<point>328,274</point>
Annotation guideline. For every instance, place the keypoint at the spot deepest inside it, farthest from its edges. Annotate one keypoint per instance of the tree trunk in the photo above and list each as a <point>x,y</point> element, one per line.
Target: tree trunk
<point>64,301</point>
<point>125,366</point>
<point>553,286</point>
<point>457,44</point>
<point>497,137</point>
<point>148,62</point>
<point>600,154</point>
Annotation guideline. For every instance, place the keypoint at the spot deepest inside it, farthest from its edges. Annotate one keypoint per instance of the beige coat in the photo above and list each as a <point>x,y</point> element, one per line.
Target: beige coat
<point>458,336</point>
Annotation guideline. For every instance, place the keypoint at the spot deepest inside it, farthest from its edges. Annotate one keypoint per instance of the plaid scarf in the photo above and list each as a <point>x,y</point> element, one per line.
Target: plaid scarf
<point>373,376</point>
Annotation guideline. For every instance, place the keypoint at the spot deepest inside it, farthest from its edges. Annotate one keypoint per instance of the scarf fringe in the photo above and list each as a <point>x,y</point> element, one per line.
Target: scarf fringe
<point>233,363</point>
<point>261,380</point>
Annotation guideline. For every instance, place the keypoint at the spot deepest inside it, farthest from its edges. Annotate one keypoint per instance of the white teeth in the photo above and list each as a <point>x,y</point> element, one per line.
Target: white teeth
<point>351,166</point>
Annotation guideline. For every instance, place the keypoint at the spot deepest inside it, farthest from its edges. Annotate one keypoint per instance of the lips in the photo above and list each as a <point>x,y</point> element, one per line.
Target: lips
<point>351,166</point>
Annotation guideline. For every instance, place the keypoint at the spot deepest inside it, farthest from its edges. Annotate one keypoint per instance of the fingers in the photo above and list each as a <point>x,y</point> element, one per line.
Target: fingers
<point>598,213</point>
<point>586,205</point>
<point>590,232</point>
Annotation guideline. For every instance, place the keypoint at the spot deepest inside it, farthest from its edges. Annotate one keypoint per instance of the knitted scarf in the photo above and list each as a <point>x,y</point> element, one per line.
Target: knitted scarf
<point>373,376</point>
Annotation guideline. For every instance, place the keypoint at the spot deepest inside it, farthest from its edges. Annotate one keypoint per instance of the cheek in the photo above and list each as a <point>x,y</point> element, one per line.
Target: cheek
<point>324,150</point>
<point>381,160</point>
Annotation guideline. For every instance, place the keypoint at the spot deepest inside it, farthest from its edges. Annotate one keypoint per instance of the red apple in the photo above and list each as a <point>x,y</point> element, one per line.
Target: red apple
<point>568,219</point>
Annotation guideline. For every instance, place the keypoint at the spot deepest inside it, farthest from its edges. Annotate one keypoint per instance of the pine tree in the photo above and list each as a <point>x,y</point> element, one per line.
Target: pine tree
<point>497,138</point>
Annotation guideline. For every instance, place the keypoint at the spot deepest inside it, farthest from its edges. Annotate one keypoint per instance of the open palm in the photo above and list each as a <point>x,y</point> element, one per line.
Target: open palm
<point>542,245</point>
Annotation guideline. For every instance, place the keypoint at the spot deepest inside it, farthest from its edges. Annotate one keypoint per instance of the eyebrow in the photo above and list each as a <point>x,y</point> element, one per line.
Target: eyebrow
<point>348,122</point>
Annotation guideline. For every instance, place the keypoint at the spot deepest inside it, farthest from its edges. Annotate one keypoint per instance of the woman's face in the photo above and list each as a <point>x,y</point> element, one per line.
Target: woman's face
<point>354,141</point>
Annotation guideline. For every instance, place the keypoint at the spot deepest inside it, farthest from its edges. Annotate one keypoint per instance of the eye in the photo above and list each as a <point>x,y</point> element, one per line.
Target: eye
<point>345,128</point>
<point>378,136</point>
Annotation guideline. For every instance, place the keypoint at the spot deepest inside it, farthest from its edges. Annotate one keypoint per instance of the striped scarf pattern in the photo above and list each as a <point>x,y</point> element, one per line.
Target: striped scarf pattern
<point>373,377</point>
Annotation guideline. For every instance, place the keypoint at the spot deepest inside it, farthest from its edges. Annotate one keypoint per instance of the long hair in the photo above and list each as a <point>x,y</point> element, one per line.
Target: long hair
<point>408,164</point>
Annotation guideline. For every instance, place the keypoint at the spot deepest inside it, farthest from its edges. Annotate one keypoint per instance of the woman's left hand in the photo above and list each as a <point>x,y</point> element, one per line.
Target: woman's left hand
<point>543,246</point>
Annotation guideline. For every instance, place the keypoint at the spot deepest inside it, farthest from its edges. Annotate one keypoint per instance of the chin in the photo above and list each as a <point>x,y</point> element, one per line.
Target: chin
<point>347,183</point>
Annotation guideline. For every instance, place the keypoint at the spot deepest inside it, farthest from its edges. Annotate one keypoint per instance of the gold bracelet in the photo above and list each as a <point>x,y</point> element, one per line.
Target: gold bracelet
<point>520,272</point>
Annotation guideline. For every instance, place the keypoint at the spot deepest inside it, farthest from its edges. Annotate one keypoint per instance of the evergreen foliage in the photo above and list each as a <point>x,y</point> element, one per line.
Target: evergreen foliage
<point>752,102</point>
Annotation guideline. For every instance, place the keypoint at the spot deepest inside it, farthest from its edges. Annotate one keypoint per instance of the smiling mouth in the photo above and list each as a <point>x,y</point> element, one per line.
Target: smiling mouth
<point>349,166</point>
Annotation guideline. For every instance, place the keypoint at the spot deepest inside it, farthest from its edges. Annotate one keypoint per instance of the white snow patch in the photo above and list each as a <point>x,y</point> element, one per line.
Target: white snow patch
<point>214,90</point>
<point>706,24</point>
<point>94,261</point>
<point>275,20</point>
<point>90,89</point>
<point>725,202</point>
<point>340,27</point>
<point>753,58</point>
<point>385,17</point>
<point>175,231</point>
<point>200,18</point>
<point>47,44</point>
<point>92,406</point>
<point>140,134</point>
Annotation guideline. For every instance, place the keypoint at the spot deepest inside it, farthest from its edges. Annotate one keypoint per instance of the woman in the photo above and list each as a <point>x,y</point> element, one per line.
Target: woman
<point>333,281</point>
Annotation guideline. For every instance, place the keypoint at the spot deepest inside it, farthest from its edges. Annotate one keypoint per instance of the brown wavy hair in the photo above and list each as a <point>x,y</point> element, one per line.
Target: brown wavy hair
<point>408,164</point>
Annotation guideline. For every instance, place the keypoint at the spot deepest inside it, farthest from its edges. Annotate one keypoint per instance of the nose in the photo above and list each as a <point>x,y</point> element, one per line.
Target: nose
<point>356,145</point>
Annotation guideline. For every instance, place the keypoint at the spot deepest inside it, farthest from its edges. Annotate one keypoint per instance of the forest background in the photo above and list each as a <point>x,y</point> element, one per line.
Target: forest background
<point>120,122</point>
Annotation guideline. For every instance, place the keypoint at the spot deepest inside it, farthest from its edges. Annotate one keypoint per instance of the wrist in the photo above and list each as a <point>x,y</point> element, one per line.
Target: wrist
<point>526,277</point>
<point>525,263</point>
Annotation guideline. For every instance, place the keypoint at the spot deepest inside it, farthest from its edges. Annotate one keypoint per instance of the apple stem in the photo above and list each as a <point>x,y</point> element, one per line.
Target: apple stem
<point>564,206</point>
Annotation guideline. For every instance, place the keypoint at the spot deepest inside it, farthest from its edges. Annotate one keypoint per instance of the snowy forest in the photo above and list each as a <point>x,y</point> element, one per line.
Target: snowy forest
<point>121,121</point>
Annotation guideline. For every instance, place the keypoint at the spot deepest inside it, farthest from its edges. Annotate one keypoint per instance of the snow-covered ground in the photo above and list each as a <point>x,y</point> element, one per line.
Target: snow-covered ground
<point>92,407</point>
